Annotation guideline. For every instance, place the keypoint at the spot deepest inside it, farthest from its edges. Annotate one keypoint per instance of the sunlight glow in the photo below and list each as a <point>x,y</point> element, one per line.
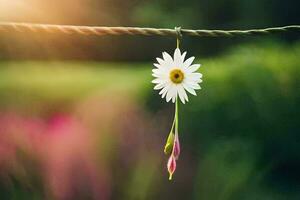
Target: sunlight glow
<point>20,10</point>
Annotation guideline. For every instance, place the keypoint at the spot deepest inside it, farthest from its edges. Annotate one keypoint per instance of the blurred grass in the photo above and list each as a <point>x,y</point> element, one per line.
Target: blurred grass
<point>22,83</point>
<point>58,79</point>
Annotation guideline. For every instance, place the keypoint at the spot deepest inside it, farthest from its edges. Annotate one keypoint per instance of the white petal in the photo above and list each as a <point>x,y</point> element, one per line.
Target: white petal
<point>165,88</point>
<point>159,86</point>
<point>159,73</point>
<point>185,95</point>
<point>169,96</point>
<point>198,81</point>
<point>157,80</point>
<point>177,56</point>
<point>164,94</point>
<point>180,94</point>
<point>189,89</point>
<point>174,98</point>
<point>156,75</point>
<point>161,70</point>
<point>167,57</point>
<point>164,91</point>
<point>156,71</point>
<point>157,65</point>
<point>172,92</point>
<point>194,67</point>
<point>183,56</point>
<point>193,80</point>
<point>160,61</point>
<point>193,85</point>
<point>195,75</point>
<point>188,62</point>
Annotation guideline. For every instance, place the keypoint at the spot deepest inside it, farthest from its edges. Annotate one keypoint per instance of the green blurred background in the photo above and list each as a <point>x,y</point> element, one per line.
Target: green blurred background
<point>79,118</point>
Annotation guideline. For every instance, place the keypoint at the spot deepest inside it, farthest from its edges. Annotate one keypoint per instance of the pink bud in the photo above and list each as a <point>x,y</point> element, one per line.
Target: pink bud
<point>171,166</point>
<point>176,146</point>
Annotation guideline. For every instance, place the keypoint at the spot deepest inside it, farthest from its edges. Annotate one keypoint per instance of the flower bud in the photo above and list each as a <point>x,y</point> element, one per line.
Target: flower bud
<point>169,144</point>
<point>171,166</point>
<point>176,150</point>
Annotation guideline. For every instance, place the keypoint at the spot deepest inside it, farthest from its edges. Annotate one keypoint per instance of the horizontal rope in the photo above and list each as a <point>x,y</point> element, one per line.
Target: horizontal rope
<point>101,30</point>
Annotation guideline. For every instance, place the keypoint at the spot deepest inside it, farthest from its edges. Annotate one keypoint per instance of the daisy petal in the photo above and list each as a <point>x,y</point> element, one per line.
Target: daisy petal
<point>169,96</point>
<point>173,99</point>
<point>164,94</point>
<point>159,86</point>
<point>185,95</point>
<point>156,71</point>
<point>159,73</point>
<point>181,93</point>
<point>183,56</point>
<point>167,57</point>
<point>195,86</point>
<point>194,67</point>
<point>157,80</point>
<point>172,92</point>
<point>160,61</point>
<point>196,75</point>
<point>189,89</point>
<point>188,62</point>
<point>194,81</point>
<point>177,56</point>
<point>165,89</point>
<point>157,65</point>
<point>156,75</point>
<point>198,81</point>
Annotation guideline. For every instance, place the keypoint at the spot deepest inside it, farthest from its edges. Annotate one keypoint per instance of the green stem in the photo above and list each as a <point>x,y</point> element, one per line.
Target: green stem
<point>173,124</point>
<point>170,140</point>
<point>176,116</point>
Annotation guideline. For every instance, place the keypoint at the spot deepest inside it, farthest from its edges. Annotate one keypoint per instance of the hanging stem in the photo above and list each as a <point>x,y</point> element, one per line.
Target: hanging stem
<point>174,121</point>
<point>176,116</point>
<point>170,140</point>
<point>173,158</point>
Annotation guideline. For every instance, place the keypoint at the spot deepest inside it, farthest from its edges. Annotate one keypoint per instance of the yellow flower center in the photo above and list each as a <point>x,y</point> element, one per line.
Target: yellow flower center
<point>176,76</point>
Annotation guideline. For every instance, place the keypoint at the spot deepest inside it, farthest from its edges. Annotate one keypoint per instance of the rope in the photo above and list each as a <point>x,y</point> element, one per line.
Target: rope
<point>101,30</point>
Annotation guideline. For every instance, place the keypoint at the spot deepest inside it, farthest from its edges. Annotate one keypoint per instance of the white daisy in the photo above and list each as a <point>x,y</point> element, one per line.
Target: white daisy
<point>175,76</point>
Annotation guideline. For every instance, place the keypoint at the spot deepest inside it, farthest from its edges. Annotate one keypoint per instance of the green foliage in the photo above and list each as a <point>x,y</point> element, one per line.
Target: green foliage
<point>64,83</point>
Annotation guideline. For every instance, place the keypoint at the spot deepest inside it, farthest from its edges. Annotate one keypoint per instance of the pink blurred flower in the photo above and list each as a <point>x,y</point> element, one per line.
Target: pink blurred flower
<point>62,148</point>
<point>75,153</point>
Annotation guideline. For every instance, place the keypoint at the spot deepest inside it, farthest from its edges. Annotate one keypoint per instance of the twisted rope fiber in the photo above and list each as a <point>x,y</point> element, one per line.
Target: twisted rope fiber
<point>101,30</point>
